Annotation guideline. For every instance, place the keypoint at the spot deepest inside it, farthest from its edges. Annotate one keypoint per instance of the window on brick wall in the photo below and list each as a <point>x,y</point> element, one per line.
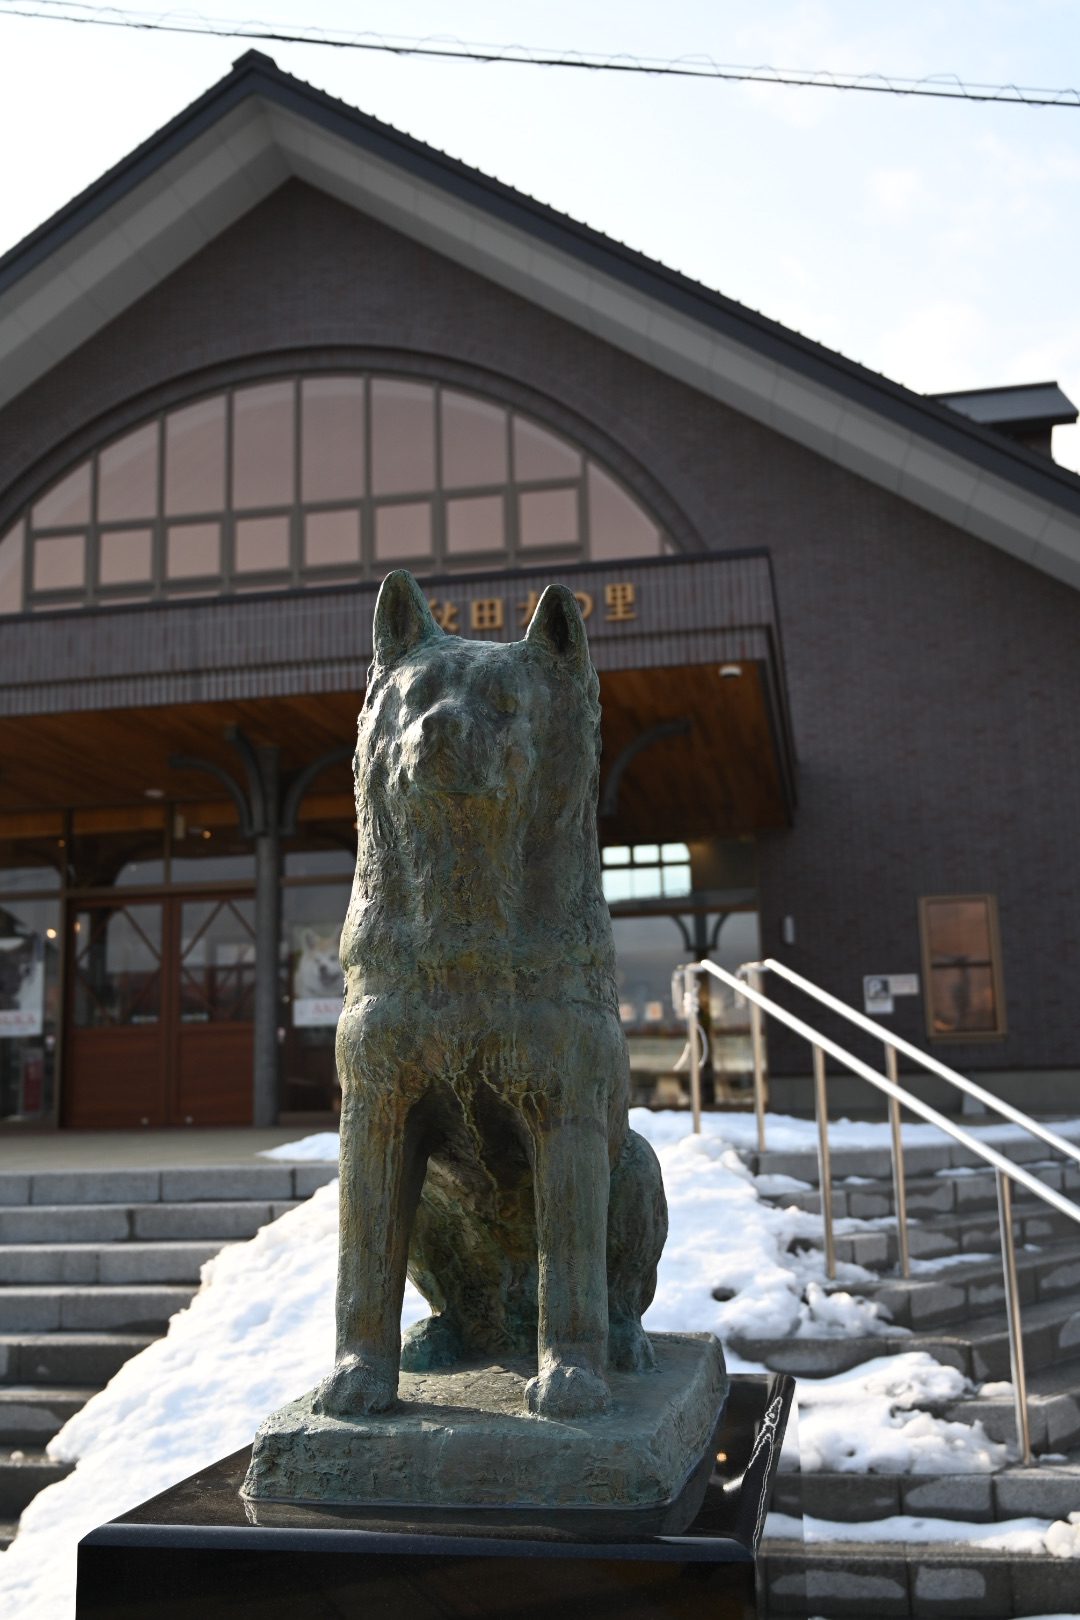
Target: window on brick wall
<point>305,480</point>
<point>961,956</point>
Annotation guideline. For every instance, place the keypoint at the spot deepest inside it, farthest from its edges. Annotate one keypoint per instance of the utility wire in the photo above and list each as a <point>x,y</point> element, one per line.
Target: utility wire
<point>941,87</point>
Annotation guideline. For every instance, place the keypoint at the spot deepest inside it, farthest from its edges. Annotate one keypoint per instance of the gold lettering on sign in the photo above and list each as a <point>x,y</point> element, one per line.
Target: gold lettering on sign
<point>486,613</point>
<point>444,614</point>
<point>619,600</point>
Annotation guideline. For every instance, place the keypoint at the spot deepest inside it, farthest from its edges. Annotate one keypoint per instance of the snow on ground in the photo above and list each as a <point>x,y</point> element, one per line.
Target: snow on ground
<point>783,1134</point>
<point>1007,1535</point>
<point>260,1331</point>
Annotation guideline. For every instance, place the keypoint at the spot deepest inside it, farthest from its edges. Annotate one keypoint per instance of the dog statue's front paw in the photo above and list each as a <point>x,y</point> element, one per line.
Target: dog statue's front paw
<point>353,1389</point>
<point>566,1391</point>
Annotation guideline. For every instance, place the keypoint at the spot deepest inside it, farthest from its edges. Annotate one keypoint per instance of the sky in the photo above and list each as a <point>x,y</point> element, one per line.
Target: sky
<point>934,242</point>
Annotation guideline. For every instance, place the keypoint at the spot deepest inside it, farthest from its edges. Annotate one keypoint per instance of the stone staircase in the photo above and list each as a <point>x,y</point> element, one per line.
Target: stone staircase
<point>955,1310</point>
<point>92,1266</point>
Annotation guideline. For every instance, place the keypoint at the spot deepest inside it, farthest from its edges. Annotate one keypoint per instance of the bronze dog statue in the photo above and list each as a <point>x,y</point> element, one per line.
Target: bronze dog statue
<point>484,1071</point>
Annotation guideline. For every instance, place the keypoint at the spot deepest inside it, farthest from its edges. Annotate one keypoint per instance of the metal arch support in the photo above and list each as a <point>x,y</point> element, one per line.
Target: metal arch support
<point>191,762</point>
<point>626,756</point>
<point>263,812</point>
<point>299,785</point>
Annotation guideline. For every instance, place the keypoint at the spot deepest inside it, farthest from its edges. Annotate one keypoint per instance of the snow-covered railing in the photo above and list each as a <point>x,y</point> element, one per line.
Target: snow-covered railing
<point>747,984</point>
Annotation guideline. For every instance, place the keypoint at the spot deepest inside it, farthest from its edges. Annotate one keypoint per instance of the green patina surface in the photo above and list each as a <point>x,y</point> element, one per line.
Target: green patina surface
<point>485,1146</point>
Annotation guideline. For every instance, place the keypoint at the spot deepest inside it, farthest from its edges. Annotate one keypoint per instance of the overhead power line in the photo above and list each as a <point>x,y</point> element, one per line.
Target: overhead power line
<point>939,87</point>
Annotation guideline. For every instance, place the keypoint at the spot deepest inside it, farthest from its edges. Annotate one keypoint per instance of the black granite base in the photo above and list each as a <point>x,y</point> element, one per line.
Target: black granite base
<point>194,1553</point>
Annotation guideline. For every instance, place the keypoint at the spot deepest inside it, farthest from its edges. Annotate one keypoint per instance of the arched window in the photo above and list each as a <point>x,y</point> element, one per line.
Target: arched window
<point>307,480</point>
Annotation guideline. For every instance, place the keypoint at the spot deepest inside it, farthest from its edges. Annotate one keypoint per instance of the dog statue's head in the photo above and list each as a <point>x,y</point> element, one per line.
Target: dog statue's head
<point>449,718</point>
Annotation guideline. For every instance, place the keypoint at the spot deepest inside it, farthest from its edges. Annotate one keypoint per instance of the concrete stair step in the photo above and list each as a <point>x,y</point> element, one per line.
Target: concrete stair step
<point>919,1162</point>
<point>1015,1493</point>
<point>8,1527</point>
<point>934,1236</point>
<point>31,1415</point>
<point>855,1579</point>
<point>979,1348</point>
<point>75,1224</point>
<point>968,1290</point>
<point>89,1263</point>
<point>187,1184</point>
<point>135,1308</point>
<point>67,1359</point>
<point>24,1472</point>
<point>1053,1410</point>
<point>950,1192</point>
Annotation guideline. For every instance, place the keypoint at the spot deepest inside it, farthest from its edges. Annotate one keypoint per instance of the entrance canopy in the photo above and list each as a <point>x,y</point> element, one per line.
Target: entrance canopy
<point>697,743</point>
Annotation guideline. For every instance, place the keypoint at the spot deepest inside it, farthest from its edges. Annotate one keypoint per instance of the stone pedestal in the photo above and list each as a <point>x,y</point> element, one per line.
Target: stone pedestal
<point>460,1438</point>
<point>201,1552</point>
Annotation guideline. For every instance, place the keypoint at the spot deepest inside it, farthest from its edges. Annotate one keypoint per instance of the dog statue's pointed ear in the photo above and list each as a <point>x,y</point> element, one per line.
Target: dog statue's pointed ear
<point>558,627</point>
<point>402,618</point>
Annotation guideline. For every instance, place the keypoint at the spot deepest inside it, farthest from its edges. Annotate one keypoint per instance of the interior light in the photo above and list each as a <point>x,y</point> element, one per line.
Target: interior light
<point>730,671</point>
<point>206,832</point>
<point>154,793</point>
<point>50,933</point>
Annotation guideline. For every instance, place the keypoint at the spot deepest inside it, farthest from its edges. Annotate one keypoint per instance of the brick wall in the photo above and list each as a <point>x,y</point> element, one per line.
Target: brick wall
<point>934,681</point>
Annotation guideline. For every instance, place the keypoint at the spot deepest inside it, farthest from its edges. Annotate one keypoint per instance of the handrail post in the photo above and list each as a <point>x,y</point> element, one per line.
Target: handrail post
<point>1012,1309</point>
<point>821,1109</point>
<point>757,1042</point>
<point>693,993</point>
<point>899,1188</point>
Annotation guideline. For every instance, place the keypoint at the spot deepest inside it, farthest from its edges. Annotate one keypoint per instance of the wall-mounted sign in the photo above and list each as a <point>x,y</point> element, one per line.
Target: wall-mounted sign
<point>880,988</point>
<point>317,983</point>
<point>22,985</point>
<point>877,997</point>
<point>494,612</point>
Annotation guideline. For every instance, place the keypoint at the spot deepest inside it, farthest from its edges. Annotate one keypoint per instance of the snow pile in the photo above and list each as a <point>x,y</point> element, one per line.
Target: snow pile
<point>723,1237</point>
<point>323,1146</point>
<point>867,1421</point>
<point>1063,1537</point>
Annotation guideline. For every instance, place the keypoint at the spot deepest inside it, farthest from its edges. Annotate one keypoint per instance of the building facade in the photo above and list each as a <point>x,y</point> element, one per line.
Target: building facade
<point>283,348</point>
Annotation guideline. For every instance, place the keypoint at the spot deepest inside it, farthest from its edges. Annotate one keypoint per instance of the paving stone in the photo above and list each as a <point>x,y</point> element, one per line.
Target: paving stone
<point>226,1182</point>
<point>62,1223</point>
<point>67,1358</point>
<point>850,1497</point>
<point>154,1262</point>
<point>944,1583</point>
<point>30,1416</point>
<point>48,1263</point>
<point>1045,1585</point>
<point>1038,1493</point>
<point>1060,1279</point>
<point>96,1187</point>
<point>852,1580</point>
<point>948,1496</point>
<point>308,1178</point>
<point>222,1220</point>
<point>22,1477</point>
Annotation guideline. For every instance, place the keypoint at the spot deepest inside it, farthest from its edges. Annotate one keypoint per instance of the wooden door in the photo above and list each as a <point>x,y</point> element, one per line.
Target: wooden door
<point>116,1027</point>
<point>159,1028</point>
<point>215,995</point>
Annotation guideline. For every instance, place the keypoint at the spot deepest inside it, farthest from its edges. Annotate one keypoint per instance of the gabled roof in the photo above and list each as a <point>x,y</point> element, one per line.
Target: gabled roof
<point>260,126</point>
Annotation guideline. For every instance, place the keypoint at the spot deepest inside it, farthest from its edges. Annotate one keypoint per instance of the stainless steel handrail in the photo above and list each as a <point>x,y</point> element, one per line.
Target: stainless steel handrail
<point>933,1065</point>
<point>1006,1171</point>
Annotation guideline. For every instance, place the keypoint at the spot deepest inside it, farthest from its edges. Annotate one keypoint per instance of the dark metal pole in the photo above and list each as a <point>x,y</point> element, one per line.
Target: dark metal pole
<point>267,935</point>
